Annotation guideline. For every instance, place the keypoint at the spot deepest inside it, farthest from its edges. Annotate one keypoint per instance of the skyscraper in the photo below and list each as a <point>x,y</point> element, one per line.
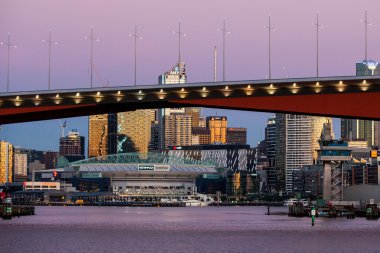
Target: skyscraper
<point>6,162</point>
<point>102,135</point>
<point>362,130</point>
<point>20,164</point>
<point>218,128</point>
<point>72,146</point>
<point>270,137</point>
<point>177,130</point>
<point>176,75</point>
<point>134,130</point>
<point>296,145</point>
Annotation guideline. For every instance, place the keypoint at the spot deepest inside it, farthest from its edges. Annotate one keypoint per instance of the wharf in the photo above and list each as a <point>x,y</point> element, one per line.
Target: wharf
<point>19,210</point>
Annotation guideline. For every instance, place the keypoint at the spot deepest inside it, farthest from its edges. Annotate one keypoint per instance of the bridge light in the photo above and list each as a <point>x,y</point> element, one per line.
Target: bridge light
<point>57,96</point>
<point>118,92</point>
<point>17,97</point>
<point>140,91</point>
<point>294,85</point>
<point>161,90</point>
<point>364,86</point>
<point>317,84</point>
<point>204,92</point>
<point>226,88</point>
<point>248,90</point>
<point>18,101</point>
<point>271,89</point>
<point>340,82</point>
<point>341,87</point>
<point>294,89</point>
<point>204,88</point>
<point>37,96</point>
<point>98,93</point>
<point>182,89</point>
<point>249,86</point>
<point>78,94</point>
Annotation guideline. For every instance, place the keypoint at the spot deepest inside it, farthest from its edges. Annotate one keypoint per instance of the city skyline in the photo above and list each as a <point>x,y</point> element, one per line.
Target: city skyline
<point>114,54</point>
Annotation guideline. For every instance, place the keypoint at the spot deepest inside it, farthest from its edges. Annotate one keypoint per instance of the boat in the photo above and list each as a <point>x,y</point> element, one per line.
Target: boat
<point>198,200</point>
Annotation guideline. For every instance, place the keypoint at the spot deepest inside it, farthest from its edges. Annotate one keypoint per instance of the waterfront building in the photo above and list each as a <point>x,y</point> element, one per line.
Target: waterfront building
<point>308,181</point>
<point>6,162</point>
<point>296,145</point>
<point>200,135</point>
<point>154,137</point>
<point>218,129</point>
<point>240,183</point>
<point>237,135</point>
<point>20,164</point>
<point>102,135</point>
<point>194,112</point>
<point>270,138</point>
<point>362,130</point>
<point>134,130</point>
<point>72,147</point>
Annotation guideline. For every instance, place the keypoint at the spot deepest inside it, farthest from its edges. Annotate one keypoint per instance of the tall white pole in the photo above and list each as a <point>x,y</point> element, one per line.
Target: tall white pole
<point>92,39</point>
<point>50,42</point>
<point>180,34</point>
<point>225,31</point>
<point>317,26</point>
<point>215,55</point>
<point>270,28</point>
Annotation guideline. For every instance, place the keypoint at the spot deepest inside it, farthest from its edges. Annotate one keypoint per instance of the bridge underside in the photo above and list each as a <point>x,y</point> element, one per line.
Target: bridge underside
<point>352,97</point>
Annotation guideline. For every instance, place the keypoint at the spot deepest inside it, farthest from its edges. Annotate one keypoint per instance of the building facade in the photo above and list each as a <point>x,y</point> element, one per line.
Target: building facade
<point>296,145</point>
<point>200,135</point>
<point>72,146</point>
<point>237,135</point>
<point>102,135</point>
<point>134,130</point>
<point>21,164</point>
<point>6,162</point>
<point>218,129</point>
<point>270,137</point>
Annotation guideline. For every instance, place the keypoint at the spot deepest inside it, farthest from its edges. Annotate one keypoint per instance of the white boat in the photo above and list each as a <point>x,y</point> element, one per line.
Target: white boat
<point>199,200</point>
<point>290,202</point>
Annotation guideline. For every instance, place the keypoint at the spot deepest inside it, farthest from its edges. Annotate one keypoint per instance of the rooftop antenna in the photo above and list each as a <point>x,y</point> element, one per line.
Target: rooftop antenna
<point>92,39</point>
<point>318,26</point>
<point>225,31</point>
<point>215,54</point>
<point>50,42</point>
<point>366,24</point>
<point>270,28</point>
<point>135,36</point>
<point>9,45</point>
<point>63,125</point>
<point>179,40</point>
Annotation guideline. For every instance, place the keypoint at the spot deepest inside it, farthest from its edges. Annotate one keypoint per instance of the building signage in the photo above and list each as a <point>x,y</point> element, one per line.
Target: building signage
<point>151,167</point>
<point>146,167</point>
<point>92,175</point>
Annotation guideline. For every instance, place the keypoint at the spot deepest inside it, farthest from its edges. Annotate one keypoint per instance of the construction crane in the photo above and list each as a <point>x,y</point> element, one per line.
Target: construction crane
<point>63,126</point>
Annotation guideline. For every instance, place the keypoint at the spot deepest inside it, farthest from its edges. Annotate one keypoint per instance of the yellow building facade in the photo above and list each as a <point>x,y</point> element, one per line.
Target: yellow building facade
<point>6,162</point>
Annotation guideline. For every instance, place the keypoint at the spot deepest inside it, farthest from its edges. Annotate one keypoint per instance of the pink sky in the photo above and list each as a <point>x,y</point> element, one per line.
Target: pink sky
<point>293,42</point>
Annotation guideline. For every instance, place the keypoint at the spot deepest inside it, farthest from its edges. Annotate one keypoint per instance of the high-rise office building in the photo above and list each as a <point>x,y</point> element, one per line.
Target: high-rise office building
<point>296,145</point>
<point>270,137</point>
<point>218,128</point>
<point>102,135</point>
<point>177,130</point>
<point>194,112</point>
<point>237,135</point>
<point>20,164</point>
<point>134,130</point>
<point>176,75</point>
<point>72,146</point>
<point>362,130</point>
<point>6,162</point>
<point>50,159</point>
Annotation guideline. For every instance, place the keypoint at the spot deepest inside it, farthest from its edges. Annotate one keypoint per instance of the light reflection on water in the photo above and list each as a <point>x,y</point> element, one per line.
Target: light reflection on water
<point>192,229</point>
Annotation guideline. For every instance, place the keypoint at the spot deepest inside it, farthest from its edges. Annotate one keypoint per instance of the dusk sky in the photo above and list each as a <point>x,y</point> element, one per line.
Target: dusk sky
<point>293,47</point>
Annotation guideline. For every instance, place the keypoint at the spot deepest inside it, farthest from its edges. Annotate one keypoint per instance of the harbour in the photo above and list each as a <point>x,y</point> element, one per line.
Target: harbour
<point>210,229</point>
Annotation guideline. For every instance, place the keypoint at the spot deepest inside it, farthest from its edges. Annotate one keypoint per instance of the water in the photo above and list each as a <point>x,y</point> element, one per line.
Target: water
<point>191,229</point>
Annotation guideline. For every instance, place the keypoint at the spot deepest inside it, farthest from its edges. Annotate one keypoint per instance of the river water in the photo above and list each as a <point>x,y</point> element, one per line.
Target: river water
<point>188,229</point>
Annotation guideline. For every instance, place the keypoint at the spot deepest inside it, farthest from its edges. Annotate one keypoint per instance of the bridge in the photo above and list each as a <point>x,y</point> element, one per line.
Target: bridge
<point>355,97</point>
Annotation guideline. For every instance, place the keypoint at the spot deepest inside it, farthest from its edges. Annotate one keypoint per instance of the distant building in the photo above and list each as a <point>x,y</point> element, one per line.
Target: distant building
<point>231,157</point>
<point>6,162</point>
<point>102,135</point>
<point>218,129</point>
<point>200,135</point>
<point>202,121</point>
<point>154,137</point>
<point>72,146</point>
<point>270,137</point>
<point>134,130</point>
<point>177,130</point>
<point>296,144</point>
<point>237,135</point>
<point>308,180</point>
<point>20,164</point>
<point>50,159</point>
<point>176,75</point>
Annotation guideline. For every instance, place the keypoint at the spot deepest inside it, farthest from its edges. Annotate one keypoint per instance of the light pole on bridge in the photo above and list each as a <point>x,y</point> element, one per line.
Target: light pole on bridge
<point>318,26</point>
<point>135,36</point>
<point>225,31</point>
<point>270,29</point>
<point>92,39</point>
<point>9,45</point>
<point>50,42</point>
